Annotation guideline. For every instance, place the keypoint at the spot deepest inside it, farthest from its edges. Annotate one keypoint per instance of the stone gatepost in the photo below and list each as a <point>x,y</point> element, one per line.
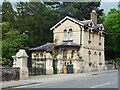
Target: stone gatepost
<point>59,66</point>
<point>75,63</point>
<point>20,60</point>
<point>49,62</point>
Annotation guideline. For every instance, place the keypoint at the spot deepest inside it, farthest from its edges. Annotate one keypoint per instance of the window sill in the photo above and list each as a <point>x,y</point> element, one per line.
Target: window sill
<point>68,40</point>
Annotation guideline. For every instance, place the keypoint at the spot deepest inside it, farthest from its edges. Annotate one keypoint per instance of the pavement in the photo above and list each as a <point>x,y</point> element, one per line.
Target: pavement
<point>46,79</point>
<point>97,81</point>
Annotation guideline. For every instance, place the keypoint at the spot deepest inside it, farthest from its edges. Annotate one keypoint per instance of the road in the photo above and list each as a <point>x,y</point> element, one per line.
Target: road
<point>109,80</point>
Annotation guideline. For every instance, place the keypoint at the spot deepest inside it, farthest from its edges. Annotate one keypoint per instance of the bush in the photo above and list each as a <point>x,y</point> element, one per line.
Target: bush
<point>117,61</point>
<point>6,62</point>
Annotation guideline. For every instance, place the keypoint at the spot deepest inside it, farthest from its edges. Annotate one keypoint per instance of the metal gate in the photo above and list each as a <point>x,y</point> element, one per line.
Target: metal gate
<point>37,66</point>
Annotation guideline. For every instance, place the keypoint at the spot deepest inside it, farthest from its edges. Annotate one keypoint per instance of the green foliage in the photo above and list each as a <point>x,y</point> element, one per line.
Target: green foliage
<point>8,14</point>
<point>6,62</point>
<point>79,10</point>
<point>117,61</point>
<point>55,55</point>
<point>12,42</point>
<point>112,27</point>
<point>78,54</point>
<point>36,19</point>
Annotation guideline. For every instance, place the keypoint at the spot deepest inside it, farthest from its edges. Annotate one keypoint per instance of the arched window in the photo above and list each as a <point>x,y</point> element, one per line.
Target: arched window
<point>72,54</point>
<point>41,55</point>
<point>70,34</point>
<point>65,35</point>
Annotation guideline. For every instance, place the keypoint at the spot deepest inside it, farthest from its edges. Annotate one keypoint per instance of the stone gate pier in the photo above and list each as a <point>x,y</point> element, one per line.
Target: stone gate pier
<point>20,60</point>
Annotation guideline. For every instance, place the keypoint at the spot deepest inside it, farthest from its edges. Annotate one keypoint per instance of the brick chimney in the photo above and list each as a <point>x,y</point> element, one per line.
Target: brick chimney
<point>93,15</point>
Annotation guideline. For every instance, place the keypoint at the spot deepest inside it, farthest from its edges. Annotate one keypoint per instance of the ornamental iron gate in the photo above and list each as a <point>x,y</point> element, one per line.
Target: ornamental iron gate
<point>37,66</point>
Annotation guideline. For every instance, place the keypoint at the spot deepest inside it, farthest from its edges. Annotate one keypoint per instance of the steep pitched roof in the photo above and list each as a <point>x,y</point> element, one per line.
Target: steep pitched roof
<point>67,17</point>
<point>46,47</point>
<point>83,23</point>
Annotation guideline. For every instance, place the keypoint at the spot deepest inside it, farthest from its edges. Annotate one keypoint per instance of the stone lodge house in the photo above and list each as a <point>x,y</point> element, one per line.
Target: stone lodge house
<point>78,42</point>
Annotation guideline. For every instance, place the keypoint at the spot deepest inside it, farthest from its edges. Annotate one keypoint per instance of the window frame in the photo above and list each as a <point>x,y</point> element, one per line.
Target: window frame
<point>65,35</point>
<point>70,34</point>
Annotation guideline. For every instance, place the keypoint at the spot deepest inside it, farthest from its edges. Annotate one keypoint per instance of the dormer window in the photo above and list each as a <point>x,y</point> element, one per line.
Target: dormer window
<point>65,35</point>
<point>70,34</point>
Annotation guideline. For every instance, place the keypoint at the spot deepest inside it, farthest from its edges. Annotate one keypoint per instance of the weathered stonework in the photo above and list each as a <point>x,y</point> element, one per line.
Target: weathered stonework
<point>49,61</point>
<point>20,60</point>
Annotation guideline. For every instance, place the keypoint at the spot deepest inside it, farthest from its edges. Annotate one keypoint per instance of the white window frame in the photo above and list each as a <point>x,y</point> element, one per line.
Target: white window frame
<point>65,35</point>
<point>70,34</point>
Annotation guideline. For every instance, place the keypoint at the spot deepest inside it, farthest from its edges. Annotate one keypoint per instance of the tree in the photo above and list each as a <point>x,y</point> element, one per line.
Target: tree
<point>11,43</point>
<point>78,10</point>
<point>8,14</point>
<point>112,26</point>
<point>37,21</point>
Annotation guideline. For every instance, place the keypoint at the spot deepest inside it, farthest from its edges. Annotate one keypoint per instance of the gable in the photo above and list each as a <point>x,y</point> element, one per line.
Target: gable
<point>67,24</point>
<point>66,18</point>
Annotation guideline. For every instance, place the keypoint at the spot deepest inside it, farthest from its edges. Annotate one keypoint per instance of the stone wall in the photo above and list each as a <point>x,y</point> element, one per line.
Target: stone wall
<point>10,74</point>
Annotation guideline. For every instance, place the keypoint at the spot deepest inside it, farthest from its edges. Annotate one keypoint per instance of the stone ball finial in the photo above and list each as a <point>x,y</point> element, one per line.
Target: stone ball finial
<point>48,55</point>
<point>59,56</point>
<point>75,56</point>
<point>21,53</point>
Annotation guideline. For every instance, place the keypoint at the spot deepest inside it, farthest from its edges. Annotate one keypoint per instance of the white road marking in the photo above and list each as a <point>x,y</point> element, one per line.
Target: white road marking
<point>101,85</point>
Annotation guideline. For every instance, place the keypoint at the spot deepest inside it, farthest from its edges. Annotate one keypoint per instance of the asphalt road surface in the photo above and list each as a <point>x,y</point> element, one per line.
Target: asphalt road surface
<point>109,80</point>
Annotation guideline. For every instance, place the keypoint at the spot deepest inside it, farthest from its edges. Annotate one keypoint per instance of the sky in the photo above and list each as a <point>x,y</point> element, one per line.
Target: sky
<point>108,5</point>
<point>105,4</point>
